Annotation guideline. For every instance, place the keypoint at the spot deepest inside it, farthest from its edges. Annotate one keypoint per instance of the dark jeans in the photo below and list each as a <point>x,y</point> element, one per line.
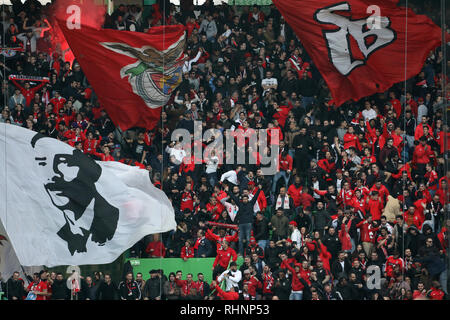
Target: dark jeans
<point>245,230</point>
<point>212,178</point>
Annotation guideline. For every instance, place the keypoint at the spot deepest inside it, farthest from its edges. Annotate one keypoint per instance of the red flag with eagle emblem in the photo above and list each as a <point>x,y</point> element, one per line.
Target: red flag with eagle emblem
<point>132,73</point>
<point>361,47</point>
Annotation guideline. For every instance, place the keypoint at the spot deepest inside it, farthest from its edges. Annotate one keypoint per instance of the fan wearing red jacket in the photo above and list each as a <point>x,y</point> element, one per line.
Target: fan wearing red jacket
<point>105,156</point>
<point>431,178</point>
<point>27,91</point>
<point>344,236</point>
<point>58,102</point>
<point>422,155</point>
<point>358,202</point>
<point>374,206</point>
<point>156,249</point>
<point>252,283</point>
<point>392,263</point>
<point>223,258</point>
<point>219,239</point>
<point>187,251</point>
<point>187,198</point>
<point>351,139</point>
<point>268,281</point>
<point>383,192</point>
<point>412,218</point>
<point>215,208</point>
<point>324,256</point>
<point>436,293</point>
<point>346,195</point>
<point>185,285</point>
<point>262,201</point>
<point>294,191</point>
<point>443,192</point>
<point>225,295</point>
<point>443,239</point>
<point>90,144</point>
<point>327,164</point>
<point>300,277</point>
<point>368,234</point>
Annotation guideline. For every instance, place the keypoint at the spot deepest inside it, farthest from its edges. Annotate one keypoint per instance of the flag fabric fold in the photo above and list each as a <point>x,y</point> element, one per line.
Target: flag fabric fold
<point>60,207</point>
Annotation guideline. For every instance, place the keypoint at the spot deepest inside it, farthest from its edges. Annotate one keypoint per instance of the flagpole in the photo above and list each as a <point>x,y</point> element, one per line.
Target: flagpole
<point>445,113</point>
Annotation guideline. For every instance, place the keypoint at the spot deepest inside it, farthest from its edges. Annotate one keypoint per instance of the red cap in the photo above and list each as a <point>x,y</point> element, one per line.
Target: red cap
<point>293,223</point>
<point>251,183</point>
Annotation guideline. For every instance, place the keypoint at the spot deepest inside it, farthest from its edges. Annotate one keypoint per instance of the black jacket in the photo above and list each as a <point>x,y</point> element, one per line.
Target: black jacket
<point>152,288</point>
<point>261,230</point>
<point>14,288</point>
<point>346,291</point>
<point>338,272</point>
<point>60,290</point>
<point>245,213</point>
<point>129,291</point>
<point>321,219</point>
<point>332,243</point>
<point>107,291</point>
<point>282,289</point>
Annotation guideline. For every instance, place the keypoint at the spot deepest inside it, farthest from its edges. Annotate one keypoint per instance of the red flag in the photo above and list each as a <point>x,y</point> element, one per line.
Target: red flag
<point>132,73</point>
<point>356,53</point>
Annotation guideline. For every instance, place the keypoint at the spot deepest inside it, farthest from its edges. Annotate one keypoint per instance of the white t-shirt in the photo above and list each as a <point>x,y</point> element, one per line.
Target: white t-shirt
<point>369,114</point>
<point>269,82</point>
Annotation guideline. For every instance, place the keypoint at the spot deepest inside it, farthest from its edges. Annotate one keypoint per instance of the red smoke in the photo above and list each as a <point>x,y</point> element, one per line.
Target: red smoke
<point>92,15</point>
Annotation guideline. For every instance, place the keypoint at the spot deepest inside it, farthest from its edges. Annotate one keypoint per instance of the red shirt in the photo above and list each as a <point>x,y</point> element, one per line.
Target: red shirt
<point>436,294</point>
<point>432,178</point>
<point>374,207</point>
<point>214,237</point>
<point>285,163</point>
<point>58,103</point>
<point>42,285</point>
<point>422,154</point>
<point>186,286</point>
<point>224,295</point>
<point>252,284</point>
<point>391,262</point>
<point>326,165</point>
<point>187,252</point>
<point>223,257</point>
<point>368,232</point>
<point>351,140</point>
<point>156,249</point>
<point>294,193</point>
<point>187,201</point>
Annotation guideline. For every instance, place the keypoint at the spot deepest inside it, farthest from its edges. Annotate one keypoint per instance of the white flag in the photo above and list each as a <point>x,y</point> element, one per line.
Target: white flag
<point>9,263</point>
<point>60,207</point>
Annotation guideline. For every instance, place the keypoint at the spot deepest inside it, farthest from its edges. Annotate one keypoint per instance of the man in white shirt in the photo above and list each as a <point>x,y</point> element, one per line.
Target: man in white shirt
<point>232,277</point>
<point>295,234</point>
<point>269,82</point>
<point>422,110</point>
<point>369,113</point>
<point>231,176</point>
<point>175,150</point>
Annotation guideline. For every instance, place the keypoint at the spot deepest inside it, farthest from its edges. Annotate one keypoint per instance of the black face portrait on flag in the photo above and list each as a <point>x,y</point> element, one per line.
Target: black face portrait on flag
<point>71,188</point>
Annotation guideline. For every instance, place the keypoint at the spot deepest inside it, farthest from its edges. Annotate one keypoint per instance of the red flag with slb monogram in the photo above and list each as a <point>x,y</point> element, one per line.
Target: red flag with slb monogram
<point>132,73</point>
<point>361,47</point>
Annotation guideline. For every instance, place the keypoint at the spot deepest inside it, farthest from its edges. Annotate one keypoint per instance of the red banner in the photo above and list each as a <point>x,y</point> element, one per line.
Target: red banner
<point>132,73</point>
<point>361,47</point>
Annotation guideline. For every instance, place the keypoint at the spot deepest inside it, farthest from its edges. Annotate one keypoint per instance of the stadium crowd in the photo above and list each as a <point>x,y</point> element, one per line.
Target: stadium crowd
<point>361,190</point>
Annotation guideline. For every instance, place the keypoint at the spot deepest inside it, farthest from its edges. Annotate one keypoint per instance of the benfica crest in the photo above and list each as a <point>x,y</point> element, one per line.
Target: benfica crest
<point>155,74</point>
